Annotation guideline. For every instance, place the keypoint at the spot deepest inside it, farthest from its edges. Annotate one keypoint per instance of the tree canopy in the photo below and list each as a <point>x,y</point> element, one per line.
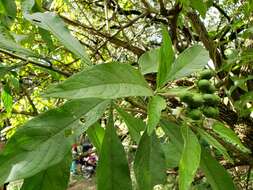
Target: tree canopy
<point>163,89</point>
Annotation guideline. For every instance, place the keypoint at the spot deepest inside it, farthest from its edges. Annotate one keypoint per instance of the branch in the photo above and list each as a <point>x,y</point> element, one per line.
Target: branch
<point>123,27</point>
<point>163,10</point>
<point>147,6</point>
<point>121,11</point>
<point>118,42</point>
<point>173,26</point>
<point>221,11</point>
<point>27,60</point>
<point>19,112</point>
<point>35,111</point>
<point>204,37</point>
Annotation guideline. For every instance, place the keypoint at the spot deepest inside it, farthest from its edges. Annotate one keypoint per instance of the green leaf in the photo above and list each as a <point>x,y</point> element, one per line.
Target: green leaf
<point>134,125</point>
<point>149,61</point>
<point>185,2</point>
<point>8,11</point>
<point>54,178</point>
<point>31,6</point>
<point>96,135</point>
<point>172,154</point>
<point>173,131</point>
<point>109,81</point>
<point>112,172</point>
<point>7,99</point>
<point>200,6</point>
<point>53,23</point>
<point>190,159</point>
<point>27,5</point>
<point>45,140</point>
<point>149,163</point>
<point>173,149</point>
<point>229,135</point>
<point>155,107</point>
<point>189,61</point>
<point>216,174</point>
<point>244,99</point>
<point>166,58</point>
<point>14,83</point>
<point>212,141</point>
<point>7,43</point>
<point>46,36</point>
<point>8,7</point>
<point>4,70</point>
<point>240,82</point>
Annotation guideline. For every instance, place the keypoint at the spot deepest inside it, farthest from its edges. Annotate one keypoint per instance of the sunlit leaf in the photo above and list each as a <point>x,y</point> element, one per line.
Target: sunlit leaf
<point>189,61</point>
<point>51,22</point>
<point>149,61</point>
<point>111,80</point>
<point>7,43</point>
<point>7,99</point>
<point>200,6</point>
<point>155,107</point>
<point>190,159</point>
<point>54,178</point>
<point>43,142</point>
<point>166,57</point>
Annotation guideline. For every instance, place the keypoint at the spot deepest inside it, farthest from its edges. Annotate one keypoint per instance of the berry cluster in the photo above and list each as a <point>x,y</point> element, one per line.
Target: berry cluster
<point>204,102</point>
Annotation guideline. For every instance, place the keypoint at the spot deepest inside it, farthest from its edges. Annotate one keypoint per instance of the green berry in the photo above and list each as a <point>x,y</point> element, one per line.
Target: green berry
<point>205,86</point>
<point>206,74</point>
<point>194,114</point>
<point>211,112</point>
<point>211,99</point>
<point>186,97</point>
<point>197,101</point>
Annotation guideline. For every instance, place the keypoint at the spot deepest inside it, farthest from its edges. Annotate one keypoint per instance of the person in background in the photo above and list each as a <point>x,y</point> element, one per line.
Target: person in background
<point>75,156</point>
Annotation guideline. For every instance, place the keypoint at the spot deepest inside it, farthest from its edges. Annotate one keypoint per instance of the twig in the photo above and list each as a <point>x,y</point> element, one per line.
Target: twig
<point>204,37</point>
<point>163,10</point>
<point>35,111</point>
<point>221,11</point>
<point>19,112</point>
<point>28,60</point>
<point>118,42</point>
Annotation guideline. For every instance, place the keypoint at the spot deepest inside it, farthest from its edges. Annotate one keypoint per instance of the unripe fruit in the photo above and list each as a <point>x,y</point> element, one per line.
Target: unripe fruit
<point>197,101</point>
<point>205,86</point>
<point>206,74</point>
<point>211,112</point>
<point>186,97</point>
<point>211,99</point>
<point>194,114</point>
